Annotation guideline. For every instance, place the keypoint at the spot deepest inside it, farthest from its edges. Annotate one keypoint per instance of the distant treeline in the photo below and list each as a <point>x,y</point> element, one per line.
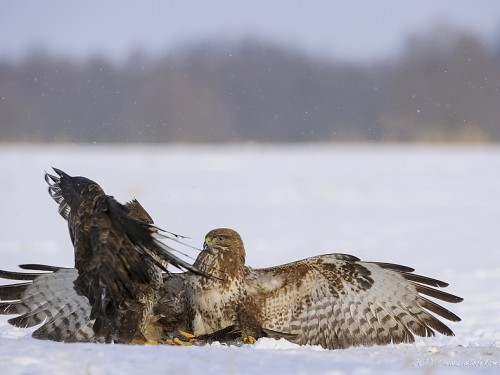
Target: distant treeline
<point>444,86</point>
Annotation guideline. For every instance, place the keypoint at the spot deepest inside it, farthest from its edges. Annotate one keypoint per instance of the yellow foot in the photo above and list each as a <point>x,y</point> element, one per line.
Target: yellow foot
<point>143,342</point>
<point>186,339</point>
<point>178,342</point>
<point>187,335</point>
<point>249,340</point>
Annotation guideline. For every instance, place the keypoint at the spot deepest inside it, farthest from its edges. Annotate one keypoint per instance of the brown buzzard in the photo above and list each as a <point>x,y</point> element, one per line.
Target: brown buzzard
<point>119,265</point>
<point>332,300</point>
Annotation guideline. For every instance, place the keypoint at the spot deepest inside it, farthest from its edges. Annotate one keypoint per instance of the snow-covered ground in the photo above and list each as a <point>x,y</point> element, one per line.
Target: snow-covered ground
<point>436,209</point>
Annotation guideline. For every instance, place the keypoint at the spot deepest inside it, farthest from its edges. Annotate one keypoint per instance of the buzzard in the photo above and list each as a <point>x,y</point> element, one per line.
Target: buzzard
<point>117,292</point>
<point>118,269</point>
<point>333,300</point>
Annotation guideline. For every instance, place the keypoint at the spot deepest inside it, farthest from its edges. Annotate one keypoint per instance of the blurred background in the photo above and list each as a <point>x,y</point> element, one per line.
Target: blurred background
<point>150,75</point>
<point>260,71</point>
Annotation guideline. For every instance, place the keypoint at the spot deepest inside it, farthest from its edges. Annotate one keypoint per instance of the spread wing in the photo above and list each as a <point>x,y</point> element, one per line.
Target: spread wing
<point>337,301</point>
<point>47,298</point>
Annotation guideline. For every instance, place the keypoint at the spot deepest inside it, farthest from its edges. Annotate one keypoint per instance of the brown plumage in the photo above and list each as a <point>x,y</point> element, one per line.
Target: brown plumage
<point>332,300</point>
<point>118,259</point>
<point>220,302</point>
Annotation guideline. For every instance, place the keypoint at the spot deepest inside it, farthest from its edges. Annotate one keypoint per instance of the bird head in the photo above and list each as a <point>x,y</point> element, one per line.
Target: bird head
<point>225,242</point>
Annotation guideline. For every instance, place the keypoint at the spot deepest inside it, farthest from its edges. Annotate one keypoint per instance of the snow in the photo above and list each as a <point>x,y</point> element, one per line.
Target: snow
<point>432,208</point>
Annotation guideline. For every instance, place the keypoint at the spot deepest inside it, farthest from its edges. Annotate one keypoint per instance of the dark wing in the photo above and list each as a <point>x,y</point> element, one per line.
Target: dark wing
<point>115,273</point>
<point>112,272</point>
<point>144,236</point>
<point>117,256</point>
<point>49,299</point>
<point>77,199</point>
<point>337,301</point>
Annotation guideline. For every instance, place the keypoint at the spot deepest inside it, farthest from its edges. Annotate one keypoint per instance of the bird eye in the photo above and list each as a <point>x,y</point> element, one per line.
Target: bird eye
<point>219,238</point>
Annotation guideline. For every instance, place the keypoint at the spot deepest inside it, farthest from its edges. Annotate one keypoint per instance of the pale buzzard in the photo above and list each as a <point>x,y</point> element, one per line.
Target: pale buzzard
<point>332,300</point>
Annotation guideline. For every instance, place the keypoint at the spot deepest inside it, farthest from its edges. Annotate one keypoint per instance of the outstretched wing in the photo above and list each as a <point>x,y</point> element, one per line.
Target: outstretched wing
<point>49,299</point>
<point>337,301</point>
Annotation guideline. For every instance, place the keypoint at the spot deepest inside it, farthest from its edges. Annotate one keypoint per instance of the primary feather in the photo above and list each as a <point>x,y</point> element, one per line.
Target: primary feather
<point>47,298</point>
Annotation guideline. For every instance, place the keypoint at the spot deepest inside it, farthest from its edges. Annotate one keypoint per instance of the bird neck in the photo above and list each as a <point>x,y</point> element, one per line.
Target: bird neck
<point>221,263</point>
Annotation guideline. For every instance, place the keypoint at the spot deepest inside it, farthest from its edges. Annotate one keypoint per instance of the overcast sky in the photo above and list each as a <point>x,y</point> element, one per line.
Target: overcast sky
<point>350,29</point>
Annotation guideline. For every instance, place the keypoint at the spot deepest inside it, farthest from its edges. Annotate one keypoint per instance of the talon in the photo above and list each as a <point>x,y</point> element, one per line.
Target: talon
<point>187,335</point>
<point>186,339</point>
<point>249,340</point>
<point>143,342</point>
<point>178,342</point>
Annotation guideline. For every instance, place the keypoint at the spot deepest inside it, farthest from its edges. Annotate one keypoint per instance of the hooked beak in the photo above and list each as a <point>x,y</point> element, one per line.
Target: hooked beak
<point>207,243</point>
